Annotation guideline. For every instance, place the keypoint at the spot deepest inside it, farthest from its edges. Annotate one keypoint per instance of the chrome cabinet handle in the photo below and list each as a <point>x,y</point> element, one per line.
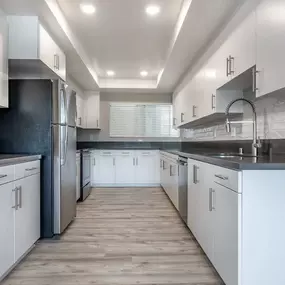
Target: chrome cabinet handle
<point>195,174</point>
<point>137,161</point>
<point>31,169</point>
<point>227,68</point>
<point>20,197</point>
<point>254,75</point>
<point>182,117</point>
<point>231,60</point>
<point>163,167</point>
<point>194,111</point>
<point>114,161</point>
<point>97,123</point>
<point>222,177</point>
<point>80,121</point>
<point>125,152</point>
<point>94,161</point>
<point>16,198</point>
<point>174,121</point>
<point>3,176</point>
<point>210,200</point>
<point>134,161</point>
<point>58,63</point>
<point>213,101</point>
<point>170,170</point>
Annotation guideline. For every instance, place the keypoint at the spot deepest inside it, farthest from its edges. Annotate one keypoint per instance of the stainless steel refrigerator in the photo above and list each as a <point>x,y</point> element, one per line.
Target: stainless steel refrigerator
<point>41,120</point>
<point>64,156</point>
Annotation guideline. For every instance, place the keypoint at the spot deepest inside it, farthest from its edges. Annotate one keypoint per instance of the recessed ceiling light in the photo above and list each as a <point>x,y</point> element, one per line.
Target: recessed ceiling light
<point>110,72</point>
<point>88,9</point>
<point>152,10</point>
<point>144,73</point>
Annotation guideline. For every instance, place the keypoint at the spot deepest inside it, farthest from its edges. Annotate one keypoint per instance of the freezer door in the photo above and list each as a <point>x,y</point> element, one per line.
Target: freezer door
<point>71,107</point>
<point>59,103</point>
<point>64,178</point>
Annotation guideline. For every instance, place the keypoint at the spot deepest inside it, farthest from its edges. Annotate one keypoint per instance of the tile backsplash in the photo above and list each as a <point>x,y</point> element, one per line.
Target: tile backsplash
<point>270,122</point>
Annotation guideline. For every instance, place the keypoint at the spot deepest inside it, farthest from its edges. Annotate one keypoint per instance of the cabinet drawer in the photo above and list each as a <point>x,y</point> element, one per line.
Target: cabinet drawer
<point>7,174</point>
<point>27,169</point>
<point>147,152</point>
<point>228,178</point>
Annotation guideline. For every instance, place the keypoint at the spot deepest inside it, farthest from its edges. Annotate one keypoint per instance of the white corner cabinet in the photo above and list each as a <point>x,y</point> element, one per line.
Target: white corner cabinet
<point>236,216</point>
<point>19,212</point>
<point>248,58</point>
<point>32,51</point>
<point>4,93</point>
<point>88,110</point>
<point>120,168</point>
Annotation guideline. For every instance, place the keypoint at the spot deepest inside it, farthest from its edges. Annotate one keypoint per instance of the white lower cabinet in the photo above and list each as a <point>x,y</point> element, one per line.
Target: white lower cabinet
<point>236,216</point>
<point>27,216</point>
<point>226,207</point>
<point>7,201</point>
<point>169,174</point>
<point>125,168</point>
<point>19,212</point>
<point>214,216</point>
<point>78,169</point>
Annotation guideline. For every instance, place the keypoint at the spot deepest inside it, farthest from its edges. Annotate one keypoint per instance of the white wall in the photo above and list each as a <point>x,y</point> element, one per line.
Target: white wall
<point>105,99</point>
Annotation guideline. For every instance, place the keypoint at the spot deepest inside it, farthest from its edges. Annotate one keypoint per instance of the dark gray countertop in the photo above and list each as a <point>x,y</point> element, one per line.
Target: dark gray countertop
<point>8,159</point>
<point>276,162</point>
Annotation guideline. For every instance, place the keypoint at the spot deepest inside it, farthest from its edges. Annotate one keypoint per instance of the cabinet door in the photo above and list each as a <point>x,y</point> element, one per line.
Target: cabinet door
<point>243,46</point>
<point>60,66</point>
<point>95,169</point>
<point>92,109</point>
<point>77,178</point>
<point>192,218</point>
<point>173,184</point>
<point>226,211</point>
<point>47,49</point>
<point>107,169</point>
<point>27,216</point>
<point>7,201</point>
<point>4,102</point>
<point>270,46</point>
<point>125,168</point>
<point>146,167</point>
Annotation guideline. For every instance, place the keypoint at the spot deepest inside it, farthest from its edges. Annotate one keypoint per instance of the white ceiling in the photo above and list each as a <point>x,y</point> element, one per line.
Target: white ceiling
<point>121,37</point>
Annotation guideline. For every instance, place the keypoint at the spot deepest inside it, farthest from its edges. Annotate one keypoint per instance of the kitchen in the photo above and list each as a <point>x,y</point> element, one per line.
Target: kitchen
<point>142,147</point>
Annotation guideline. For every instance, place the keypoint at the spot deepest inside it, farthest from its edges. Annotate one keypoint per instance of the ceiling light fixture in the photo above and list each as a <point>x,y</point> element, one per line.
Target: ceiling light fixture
<point>110,72</point>
<point>152,10</point>
<point>144,73</point>
<point>87,8</point>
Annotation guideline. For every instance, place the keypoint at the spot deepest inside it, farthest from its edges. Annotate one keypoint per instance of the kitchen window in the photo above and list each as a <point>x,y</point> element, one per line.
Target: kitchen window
<point>141,120</point>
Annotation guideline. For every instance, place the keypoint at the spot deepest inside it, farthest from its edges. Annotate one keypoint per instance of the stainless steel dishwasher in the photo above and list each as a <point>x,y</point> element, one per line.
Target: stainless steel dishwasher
<point>182,190</point>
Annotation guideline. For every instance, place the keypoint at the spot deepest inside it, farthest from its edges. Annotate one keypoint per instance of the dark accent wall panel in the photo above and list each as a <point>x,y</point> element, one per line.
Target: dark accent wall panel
<point>26,128</point>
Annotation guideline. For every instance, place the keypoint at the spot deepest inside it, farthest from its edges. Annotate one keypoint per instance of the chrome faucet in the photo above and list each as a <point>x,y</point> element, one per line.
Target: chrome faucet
<point>256,144</point>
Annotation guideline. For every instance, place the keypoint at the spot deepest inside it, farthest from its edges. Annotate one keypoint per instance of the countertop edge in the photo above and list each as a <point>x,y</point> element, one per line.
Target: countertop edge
<point>234,165</point>
<point>18,159</point>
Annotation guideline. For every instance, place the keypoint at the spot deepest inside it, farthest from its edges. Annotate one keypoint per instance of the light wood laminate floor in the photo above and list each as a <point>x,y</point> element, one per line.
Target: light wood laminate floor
<point>120,236</point>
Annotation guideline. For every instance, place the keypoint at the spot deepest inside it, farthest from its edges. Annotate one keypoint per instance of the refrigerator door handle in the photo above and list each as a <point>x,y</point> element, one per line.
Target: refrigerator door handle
<point>66,127</point>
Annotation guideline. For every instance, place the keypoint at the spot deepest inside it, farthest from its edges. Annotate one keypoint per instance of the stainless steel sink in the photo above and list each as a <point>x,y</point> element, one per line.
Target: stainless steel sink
<point>233,155</point>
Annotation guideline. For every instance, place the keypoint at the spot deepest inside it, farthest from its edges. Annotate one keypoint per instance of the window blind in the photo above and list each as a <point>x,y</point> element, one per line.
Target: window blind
<point>141,120</point>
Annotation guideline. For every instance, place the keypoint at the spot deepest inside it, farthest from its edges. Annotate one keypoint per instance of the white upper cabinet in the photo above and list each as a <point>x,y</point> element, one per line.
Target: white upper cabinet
<point>241,47</point>
<point>80,114</point>
<point>270,46</point>
<point>4,99</point>
<point>28,40</point>
<point>92,110</point>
